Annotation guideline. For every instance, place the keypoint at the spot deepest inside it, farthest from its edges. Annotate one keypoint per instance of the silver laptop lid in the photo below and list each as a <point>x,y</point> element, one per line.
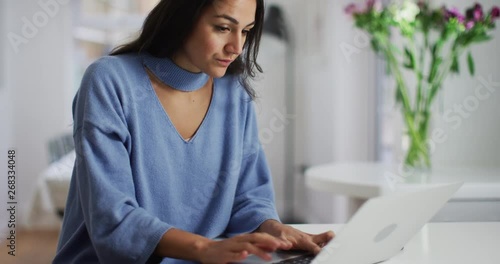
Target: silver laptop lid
<point>383,225</point>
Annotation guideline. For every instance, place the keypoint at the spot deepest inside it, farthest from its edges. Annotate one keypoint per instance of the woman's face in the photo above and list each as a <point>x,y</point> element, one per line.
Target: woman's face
<point>218,37</point>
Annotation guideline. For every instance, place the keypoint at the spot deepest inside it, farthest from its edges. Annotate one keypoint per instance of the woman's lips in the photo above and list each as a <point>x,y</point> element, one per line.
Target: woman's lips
<point>224,63</point>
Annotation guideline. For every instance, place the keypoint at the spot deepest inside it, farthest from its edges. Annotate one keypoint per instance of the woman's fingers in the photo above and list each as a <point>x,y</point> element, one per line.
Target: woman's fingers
<point>309,245</point>
<point>234,256</point>
<point>286,241</point>
<point>309,242</point>
<point>259,244</point>
<point>323,238</point>
<point>316,242</point>
<point>264,240</point>
<point>296,239</point>
<point>253,249</point>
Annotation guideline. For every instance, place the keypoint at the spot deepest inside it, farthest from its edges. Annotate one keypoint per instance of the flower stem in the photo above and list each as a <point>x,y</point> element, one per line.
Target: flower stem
<point>421,94</point>
<point>417,132</point>
<point>417,146</point>
<point>436,85</point>
<point>418,69</point>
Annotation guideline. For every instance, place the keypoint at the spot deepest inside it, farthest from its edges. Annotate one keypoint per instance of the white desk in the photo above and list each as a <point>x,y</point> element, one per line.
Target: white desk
<point>443,243</point>
<point>364,180</point>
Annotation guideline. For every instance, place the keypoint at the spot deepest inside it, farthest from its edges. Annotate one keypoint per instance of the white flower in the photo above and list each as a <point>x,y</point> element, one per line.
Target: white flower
<point>406,11</point>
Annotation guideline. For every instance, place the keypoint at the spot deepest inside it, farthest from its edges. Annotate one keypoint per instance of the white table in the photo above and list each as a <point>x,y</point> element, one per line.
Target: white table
<point>443,243</point>
<point>364,180</point>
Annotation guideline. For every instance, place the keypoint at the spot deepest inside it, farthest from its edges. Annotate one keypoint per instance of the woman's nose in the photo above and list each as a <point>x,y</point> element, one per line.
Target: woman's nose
<point>235,45</point>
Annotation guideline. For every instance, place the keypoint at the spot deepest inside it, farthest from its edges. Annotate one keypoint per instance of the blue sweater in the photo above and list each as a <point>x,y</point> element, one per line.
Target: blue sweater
<point>135,177</point>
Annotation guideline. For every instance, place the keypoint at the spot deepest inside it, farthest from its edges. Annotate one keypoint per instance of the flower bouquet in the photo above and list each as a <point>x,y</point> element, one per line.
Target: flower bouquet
<point>433,40</point>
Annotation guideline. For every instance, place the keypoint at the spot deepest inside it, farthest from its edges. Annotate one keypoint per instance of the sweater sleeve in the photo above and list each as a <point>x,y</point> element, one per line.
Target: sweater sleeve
<point>254,201</point>
<point>120,230</point>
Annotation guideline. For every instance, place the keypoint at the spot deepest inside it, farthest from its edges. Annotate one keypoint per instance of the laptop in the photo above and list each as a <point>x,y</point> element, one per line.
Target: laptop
<point>379,229</point>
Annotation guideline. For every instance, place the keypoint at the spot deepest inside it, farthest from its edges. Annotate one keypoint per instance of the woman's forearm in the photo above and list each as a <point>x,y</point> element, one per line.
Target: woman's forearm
<point>180,244</point>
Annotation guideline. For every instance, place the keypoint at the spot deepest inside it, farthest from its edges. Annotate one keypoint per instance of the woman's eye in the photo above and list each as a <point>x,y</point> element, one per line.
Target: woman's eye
<point>222,29</point>
<point>245,32</point>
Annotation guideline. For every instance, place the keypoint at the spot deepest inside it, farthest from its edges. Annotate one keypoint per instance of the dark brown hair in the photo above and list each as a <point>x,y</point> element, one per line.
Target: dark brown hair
<point>169,24</point>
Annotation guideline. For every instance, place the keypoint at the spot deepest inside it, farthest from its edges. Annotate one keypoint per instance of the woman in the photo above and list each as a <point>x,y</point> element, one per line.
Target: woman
<point>167,143</point>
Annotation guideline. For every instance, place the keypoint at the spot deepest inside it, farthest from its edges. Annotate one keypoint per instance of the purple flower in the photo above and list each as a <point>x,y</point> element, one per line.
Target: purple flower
<point>495,12</point>
<point>370,4</point>
<point>351,9</point>
<point>454,13</point>
<point>477,13</point>
<point>374,5</point>
<point>469,25</point>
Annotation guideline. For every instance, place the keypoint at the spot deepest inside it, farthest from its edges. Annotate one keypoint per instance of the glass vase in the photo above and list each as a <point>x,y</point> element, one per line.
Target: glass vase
<point>416,149</point>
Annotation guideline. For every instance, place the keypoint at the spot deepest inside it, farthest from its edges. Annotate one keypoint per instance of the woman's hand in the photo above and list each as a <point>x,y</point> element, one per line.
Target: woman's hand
<point>297,239</point>
<point>239,247</point>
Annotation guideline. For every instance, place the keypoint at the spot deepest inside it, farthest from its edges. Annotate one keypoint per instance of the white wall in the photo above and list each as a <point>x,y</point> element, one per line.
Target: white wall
<point>39,82</point>
<point>340,109</point>
<point>272,113</point>
<point>335,104</point>
<point>274,119</point>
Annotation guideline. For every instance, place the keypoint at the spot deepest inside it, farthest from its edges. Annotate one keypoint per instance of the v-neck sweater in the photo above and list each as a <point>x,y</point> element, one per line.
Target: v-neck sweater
<point>135,177</point>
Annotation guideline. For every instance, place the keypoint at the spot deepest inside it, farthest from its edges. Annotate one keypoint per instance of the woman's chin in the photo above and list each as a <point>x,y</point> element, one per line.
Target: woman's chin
<point>217,73</point>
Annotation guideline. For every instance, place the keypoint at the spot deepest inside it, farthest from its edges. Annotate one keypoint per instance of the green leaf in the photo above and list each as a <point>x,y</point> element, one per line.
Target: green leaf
<point>454,65</point>
<point>480,38</point>
<point>409,59</point>
<point>470,62</point>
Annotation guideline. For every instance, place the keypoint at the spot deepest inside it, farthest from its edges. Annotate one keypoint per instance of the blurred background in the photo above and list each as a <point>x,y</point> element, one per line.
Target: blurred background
<point>318,104</point>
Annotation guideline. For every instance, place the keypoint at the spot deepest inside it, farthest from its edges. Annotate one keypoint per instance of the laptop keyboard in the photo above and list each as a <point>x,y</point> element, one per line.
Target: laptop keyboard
<point>299,260</point>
